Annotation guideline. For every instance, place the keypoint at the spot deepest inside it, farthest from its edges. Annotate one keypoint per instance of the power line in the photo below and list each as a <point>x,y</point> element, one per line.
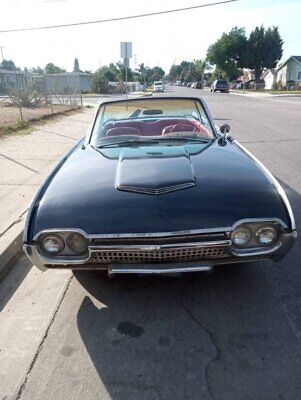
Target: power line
<point>118,18</point>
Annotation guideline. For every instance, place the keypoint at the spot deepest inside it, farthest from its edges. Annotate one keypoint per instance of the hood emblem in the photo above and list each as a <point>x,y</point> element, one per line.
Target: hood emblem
<point>155,191</point>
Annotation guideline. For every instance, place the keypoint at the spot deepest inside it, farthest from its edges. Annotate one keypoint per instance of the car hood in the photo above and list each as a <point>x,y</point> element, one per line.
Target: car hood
<point>224,185</point>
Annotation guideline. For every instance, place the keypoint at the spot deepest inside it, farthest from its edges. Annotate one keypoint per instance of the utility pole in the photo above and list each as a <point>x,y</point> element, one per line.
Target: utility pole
<point>1,47</point>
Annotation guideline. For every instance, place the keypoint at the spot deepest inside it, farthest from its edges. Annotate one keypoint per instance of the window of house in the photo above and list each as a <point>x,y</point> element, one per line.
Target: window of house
<point>299,76</point>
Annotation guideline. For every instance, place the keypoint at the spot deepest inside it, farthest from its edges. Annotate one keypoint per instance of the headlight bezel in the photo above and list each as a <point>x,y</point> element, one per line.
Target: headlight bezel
<point>254,227</point>
<point>70,245</point>
<point>62,235</point>
<point>53,236</point>
<point>260,230</point>
<point>240,229</point>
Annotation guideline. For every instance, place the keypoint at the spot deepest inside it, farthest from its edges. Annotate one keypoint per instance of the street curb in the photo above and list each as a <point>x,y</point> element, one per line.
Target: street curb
<point>11,247</point>
<point>263,95</point>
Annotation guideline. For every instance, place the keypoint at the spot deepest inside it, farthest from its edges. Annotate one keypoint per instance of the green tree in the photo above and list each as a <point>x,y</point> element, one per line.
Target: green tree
<point>264,50</point>
<point>76,65</point>
<point>8,65</point>
<point>175,72</point>
<point>229,53</point>
<point>53,69</point>
<point>157,73</point>
<point>37,70</point>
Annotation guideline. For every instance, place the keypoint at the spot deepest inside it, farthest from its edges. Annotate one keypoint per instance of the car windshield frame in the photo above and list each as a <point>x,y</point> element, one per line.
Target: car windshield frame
<point>201,107</point>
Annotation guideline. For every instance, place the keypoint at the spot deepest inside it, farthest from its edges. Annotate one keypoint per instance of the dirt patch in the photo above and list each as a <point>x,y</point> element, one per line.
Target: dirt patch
<point>33,117</point>
<point>10,114</point>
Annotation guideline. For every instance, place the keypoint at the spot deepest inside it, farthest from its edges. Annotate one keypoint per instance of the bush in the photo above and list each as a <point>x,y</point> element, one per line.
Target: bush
<point>27,96</point>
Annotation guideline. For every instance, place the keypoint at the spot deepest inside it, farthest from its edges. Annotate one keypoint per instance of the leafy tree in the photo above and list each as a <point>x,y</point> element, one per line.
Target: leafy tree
<point>188,71</point>
<point>229,53</point>
<point>53,69</point>
<point>76,65</point>
<point>8,65</point>
<point>264,50</point>
<point>175,72</point>
<point>121,74</point>
<point>111,73</point>
<point>142,73</point>
<point>37,70</point>
<point>157,73</point>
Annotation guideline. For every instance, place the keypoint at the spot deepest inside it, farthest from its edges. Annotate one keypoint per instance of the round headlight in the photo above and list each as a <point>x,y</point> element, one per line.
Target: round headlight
<point>241,236</point>
<point>52,244</point>
<point>266,235</point>
<point>77,243</point>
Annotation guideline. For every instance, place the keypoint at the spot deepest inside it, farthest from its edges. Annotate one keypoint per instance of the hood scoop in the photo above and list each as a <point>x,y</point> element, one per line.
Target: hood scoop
<point>154,173</point>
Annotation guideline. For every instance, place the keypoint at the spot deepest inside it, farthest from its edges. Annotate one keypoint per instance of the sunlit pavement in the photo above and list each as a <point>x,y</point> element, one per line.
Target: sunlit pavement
<point>233,334</point>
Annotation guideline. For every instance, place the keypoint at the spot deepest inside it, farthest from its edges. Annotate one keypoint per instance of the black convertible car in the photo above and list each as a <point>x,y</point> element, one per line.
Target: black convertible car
<point>155,187</point>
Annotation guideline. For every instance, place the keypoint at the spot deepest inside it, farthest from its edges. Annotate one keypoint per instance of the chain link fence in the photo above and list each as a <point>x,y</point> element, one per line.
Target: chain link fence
<point>26,97</point>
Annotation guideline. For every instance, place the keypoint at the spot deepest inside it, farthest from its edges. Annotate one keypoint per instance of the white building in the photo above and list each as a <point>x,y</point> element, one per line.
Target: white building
<point>269,77</point>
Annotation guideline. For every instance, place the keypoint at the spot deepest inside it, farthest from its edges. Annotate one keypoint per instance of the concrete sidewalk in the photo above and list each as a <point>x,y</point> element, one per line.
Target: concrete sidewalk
<point>25,161</point>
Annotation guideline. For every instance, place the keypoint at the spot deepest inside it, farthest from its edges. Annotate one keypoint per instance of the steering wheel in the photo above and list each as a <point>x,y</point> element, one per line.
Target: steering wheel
<point>184,127</point>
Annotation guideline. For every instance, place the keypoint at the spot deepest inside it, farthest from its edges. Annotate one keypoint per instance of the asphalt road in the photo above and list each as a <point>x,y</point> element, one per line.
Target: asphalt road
<point>231,335</point>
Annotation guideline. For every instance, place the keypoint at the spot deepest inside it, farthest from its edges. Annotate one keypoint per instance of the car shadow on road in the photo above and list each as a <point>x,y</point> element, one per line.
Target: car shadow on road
<point>233,334</point>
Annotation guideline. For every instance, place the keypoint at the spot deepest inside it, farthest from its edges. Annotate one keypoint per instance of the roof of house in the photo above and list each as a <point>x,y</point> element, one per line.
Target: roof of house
<point>296,58</point>
<point>70,74</point>
<point>272,70</point>
<point>9,71</point>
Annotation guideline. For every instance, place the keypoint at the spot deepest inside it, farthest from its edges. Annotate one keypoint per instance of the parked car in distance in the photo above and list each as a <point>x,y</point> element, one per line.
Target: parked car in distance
<point>189,84</point>
<point>158,86</point>
<point>220,86</point>
<point>198,85</point>
<point>251,84</point>
<point>155,187</point>
<point>184,84</point>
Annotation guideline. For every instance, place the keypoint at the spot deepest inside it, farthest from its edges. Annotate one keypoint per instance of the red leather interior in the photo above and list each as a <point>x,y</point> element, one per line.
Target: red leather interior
<point>154,128</point>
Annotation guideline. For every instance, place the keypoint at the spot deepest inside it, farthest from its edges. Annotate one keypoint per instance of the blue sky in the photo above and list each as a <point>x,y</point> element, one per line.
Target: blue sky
<point>157,40</point>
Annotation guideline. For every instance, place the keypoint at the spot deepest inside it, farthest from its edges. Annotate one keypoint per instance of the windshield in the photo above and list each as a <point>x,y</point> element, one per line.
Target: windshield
<point>158,83</point>
<point>149,119</point>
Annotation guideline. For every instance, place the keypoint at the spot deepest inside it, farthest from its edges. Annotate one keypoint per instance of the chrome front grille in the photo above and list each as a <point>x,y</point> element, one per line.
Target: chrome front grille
<point>152,256</point>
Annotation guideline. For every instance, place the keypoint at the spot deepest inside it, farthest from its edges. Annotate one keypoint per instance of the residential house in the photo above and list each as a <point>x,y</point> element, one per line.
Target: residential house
<point>269,77</point>
<point>289,73</point>
<point>69,82</point>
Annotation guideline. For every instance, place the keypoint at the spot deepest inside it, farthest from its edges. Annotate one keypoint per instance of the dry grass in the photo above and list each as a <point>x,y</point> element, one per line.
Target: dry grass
<point>10,114</point>
<point>10,122</point>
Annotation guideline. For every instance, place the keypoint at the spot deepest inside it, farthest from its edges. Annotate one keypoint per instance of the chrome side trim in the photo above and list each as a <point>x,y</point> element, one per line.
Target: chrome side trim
<point>256,251</point>
<point>275,183</point>
<point>259,220</point>
<point>58,230</point>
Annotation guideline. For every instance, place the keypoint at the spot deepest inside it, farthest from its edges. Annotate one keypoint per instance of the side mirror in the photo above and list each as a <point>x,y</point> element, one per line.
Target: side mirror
<point>225,128</point>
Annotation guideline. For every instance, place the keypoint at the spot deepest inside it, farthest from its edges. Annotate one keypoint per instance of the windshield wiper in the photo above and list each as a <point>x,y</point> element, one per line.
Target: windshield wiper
<point>128,142</point>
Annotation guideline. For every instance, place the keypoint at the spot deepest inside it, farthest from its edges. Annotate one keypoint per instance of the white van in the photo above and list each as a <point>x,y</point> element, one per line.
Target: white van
<point>158,86</point>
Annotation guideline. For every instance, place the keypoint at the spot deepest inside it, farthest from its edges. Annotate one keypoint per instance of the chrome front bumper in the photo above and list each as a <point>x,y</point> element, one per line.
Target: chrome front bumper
<point>165,258</point>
